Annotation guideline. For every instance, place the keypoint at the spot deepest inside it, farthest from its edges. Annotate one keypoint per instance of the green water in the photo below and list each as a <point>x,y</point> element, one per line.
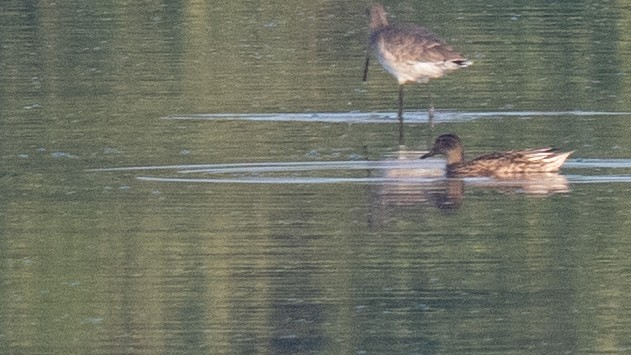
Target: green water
<point>102,262</point>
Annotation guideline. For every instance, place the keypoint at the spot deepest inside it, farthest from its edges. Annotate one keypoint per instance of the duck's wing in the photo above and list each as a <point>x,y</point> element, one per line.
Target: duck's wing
<point>520,161</point>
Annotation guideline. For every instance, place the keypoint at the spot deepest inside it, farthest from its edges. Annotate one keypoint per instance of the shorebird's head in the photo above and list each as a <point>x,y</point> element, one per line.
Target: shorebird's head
<point>378,19</point>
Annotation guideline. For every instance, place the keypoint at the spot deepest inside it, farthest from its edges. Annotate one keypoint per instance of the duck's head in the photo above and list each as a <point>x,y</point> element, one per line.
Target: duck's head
<point>449,145</point>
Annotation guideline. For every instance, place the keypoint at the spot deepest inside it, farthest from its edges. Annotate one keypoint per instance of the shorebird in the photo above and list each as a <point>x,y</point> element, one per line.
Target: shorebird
<point>412,54</point>
<point>498,164</point>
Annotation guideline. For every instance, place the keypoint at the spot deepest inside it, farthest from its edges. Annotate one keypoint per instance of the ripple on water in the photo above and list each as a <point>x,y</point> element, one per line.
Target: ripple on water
<point>384,117</point>
<point>408,171</point>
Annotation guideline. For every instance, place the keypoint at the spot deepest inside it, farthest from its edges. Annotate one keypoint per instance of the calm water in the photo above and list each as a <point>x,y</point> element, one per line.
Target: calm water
<point>182,177</point>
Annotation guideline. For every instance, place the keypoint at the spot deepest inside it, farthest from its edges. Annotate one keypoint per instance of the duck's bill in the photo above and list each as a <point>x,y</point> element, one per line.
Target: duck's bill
<point>429,154</point>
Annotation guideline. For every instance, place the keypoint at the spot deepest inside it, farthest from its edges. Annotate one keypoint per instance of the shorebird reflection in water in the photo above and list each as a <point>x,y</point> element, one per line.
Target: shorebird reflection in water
<point>499,164</point>
<point>412,54</point>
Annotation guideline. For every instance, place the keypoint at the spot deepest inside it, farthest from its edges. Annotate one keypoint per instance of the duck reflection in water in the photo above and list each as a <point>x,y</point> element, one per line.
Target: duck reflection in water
<point>429,185</point>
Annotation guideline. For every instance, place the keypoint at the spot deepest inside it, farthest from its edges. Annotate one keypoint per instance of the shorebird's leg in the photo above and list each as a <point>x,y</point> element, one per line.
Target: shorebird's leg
<point>400,116</point>
<point>366,67</point>
<point>430,110</point>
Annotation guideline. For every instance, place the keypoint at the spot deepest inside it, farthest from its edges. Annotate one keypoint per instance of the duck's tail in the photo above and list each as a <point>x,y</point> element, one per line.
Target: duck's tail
<point>549,158</point>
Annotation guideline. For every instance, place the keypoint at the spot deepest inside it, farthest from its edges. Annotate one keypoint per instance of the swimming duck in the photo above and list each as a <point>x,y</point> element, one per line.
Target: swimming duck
<point>499,164</point>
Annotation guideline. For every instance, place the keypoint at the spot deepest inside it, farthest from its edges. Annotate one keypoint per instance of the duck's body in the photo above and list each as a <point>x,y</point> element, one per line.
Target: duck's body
<point>500,164</point>
<point>412,54</point>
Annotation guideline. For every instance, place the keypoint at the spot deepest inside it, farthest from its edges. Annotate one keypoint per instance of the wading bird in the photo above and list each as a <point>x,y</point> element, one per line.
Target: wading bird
<point>412,54</point>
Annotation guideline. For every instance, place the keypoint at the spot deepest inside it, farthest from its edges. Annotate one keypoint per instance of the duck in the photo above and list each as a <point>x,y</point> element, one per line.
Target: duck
<point>411,53</point>
<point>496,164</point>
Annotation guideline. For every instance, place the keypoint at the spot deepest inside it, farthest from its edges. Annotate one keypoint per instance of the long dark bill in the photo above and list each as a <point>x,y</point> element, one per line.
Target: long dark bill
<point>366,67</point>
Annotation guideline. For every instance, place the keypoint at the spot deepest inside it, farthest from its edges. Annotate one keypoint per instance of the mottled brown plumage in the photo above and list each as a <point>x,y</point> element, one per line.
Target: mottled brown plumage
<point>500,164</point>
<point>410,53</point>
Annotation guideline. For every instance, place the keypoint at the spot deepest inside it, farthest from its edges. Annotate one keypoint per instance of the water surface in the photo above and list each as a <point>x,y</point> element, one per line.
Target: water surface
<point>202,178</point>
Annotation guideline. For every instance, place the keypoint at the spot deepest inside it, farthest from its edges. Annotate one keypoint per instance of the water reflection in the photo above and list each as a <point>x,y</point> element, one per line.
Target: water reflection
<point>424,188</point>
